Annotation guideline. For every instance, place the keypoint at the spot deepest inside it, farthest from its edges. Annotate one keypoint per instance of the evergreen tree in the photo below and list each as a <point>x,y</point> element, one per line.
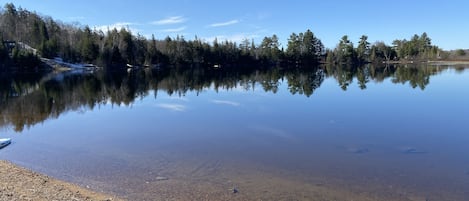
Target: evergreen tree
<point>275,51</point>
<point>126,46</point>
<point>244,46</point>
<point>269,48</point>
<point>345,51</point>
<point>89,50</point>
<point>140,50</point>
<point>312,47</point>
<point>294,47</point>
<point>253,50</point>
<point>363,49</point>
<point>152,55</point>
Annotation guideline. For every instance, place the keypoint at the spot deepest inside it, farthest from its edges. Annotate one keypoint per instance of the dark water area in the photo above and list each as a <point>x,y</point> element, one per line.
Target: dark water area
<point>320,133</point>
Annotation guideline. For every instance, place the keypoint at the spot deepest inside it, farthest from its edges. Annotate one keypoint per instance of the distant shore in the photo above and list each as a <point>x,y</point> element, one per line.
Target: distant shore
<point>449,62</point>
<point>437,62</point>
<point>17,183</point>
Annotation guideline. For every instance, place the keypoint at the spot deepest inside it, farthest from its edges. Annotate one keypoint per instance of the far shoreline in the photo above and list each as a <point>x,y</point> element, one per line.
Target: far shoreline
<point>431,62</point>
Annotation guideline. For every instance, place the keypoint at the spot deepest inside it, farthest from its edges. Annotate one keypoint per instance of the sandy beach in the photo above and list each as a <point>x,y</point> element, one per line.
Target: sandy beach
<point>17,183</point>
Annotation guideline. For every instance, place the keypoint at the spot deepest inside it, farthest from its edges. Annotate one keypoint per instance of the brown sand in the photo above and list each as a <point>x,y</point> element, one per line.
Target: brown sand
<point>18,183</point>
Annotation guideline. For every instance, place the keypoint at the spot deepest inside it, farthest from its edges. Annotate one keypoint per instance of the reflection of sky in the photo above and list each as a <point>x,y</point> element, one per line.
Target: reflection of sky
<point>173,107</point>
<point>226,102</point>
<point>281,129</point>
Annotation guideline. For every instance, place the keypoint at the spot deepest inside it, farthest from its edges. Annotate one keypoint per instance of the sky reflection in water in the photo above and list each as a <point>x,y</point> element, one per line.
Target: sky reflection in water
<point>414,139</point>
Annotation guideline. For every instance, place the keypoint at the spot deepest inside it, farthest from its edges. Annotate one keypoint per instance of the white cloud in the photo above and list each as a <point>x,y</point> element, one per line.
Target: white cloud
<point>221,24</point>
<point>179,29</point>
<point>225,102</point>
<point>233,38</point>
<point>263,15</point>
<point>169,20</point>
<point>118,26</point>
<point>173,107</point>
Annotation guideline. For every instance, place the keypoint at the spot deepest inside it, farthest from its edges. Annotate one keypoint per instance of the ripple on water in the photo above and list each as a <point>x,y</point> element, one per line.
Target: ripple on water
<point>358,150</point>
<point>412,150</point>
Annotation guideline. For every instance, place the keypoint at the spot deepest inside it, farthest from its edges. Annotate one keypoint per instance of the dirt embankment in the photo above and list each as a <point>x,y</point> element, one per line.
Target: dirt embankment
<point>17,183</point>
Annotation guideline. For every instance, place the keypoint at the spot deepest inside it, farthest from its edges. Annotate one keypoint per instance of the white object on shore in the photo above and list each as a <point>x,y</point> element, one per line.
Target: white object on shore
<point>4,142</point>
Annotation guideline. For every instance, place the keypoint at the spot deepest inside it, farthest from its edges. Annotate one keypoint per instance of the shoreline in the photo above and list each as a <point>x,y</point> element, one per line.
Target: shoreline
<point>449,62</point>
<point>18,183</point>
<point>431,62</point>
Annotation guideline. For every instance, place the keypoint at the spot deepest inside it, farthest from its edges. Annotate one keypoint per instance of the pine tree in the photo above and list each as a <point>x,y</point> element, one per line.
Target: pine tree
<point>294,47</point>
<point>89,50</point>
<point>312,47</point>
<point>345,51</point>
<point>363,49</point>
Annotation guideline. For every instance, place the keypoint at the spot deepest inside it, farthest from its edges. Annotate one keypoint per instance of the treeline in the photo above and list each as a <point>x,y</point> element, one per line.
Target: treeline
<point>120,47</point>
<point>417,48</point>
<point>117,48</point>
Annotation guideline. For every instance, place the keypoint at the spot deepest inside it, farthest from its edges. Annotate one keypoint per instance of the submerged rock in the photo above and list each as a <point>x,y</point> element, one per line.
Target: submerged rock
<point>234,190</point>
<point>360,150</point>
<point>412,150</point>
<point>161,178</point>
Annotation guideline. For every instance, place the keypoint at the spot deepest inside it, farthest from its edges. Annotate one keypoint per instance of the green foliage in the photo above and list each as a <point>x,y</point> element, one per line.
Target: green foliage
<point>460,52</point>
<point>313,47</point>
<point>154,56</point>
<point>419,47</point>
<point>363,50</point>
<point>88,49</point>
<point>382,52</point>
<point>344,52</point>
<point>25,59</point>
<point>294,46</point>
<point>304,47</point>
<point>270,48</point>
<point>126,46</point>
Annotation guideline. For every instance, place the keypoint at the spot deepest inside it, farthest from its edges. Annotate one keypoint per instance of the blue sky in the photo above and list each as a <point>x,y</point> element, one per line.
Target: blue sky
<point>444,21</point>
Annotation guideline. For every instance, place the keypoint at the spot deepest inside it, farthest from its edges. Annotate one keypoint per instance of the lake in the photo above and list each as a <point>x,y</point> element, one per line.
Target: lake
<point>318,133</point>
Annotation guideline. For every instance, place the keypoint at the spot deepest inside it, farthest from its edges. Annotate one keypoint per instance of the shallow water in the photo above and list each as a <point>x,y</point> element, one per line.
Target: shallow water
<point>396,139</point>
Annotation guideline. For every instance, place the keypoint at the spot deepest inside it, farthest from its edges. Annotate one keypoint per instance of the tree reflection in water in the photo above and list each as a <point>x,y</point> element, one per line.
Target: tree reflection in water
<point>28,99</point>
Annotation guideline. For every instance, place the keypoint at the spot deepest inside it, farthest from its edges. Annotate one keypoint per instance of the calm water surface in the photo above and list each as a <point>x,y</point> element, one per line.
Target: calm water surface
<point>322,134</point>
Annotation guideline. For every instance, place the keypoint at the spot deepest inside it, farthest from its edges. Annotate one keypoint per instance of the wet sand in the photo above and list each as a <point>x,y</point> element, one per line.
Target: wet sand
<point>209,181</point>
<point>17,183</point>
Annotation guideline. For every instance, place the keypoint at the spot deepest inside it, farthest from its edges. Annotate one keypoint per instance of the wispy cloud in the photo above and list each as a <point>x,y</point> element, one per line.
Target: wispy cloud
<point>118,26</point>
<point>170,20</point>
<point>233,38</point>
<point>263,15</point>
<point>239,37</point>
<point>222,24</point>
<point>179,29</point>
<point>173,107</point>
<point>225,102</point>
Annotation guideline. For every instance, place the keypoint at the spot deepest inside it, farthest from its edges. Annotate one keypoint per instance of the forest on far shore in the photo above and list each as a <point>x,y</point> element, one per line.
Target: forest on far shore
<point>27,36</point>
